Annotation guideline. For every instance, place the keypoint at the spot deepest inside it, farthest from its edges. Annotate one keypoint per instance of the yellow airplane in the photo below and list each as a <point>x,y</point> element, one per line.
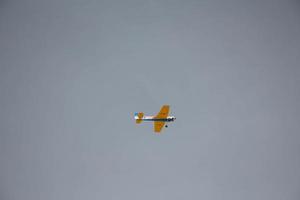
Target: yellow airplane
<point>159,120</point>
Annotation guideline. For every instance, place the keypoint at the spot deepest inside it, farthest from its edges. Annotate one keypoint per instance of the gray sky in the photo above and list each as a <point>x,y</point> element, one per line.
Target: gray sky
<point>73,72</point>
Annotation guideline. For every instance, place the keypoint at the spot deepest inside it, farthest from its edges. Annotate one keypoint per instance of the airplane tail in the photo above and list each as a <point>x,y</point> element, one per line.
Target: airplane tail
<point>138,117</point>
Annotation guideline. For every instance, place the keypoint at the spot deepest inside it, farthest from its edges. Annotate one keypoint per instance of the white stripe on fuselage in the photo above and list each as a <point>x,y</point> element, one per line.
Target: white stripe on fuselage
<point>148,117</point>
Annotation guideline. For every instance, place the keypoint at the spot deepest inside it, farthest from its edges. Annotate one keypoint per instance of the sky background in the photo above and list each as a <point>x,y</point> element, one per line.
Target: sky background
<point>72,73</point>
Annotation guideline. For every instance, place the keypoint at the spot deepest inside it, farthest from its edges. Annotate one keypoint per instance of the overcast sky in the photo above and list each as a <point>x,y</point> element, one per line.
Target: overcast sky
<point>73,72</point>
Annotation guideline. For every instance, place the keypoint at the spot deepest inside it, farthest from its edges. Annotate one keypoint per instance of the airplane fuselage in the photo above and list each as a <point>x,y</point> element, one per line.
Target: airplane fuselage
<point>152,118</point>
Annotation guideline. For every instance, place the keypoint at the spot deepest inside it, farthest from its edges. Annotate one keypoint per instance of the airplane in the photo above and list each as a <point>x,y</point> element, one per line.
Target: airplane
<point>159,120</point>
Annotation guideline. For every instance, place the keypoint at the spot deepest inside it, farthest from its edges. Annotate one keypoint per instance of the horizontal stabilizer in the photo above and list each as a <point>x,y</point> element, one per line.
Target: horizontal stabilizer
<point>138,121</point>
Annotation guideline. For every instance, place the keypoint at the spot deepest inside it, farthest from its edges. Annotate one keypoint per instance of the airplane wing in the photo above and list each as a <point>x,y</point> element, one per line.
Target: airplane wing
<point>163,113</point>
<point>158,126</point>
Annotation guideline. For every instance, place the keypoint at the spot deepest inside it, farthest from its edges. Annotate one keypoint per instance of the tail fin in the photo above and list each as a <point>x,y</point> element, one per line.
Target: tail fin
<point>138,117</point>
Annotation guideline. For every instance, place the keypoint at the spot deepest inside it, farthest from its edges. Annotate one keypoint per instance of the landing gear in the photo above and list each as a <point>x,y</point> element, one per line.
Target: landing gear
<point>166,126</point>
